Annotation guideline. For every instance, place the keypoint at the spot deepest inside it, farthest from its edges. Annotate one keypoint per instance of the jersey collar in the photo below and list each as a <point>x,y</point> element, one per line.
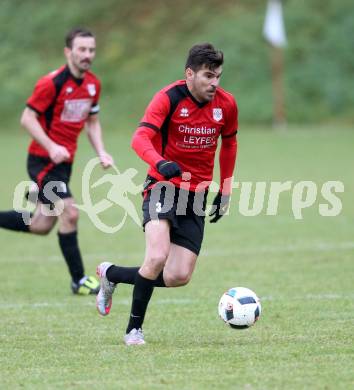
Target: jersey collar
<point>199,104</point>
<point>77,80</point>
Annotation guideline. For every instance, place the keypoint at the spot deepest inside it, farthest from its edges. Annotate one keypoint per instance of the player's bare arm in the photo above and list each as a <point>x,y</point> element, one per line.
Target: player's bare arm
<point>94,133</point>
<point>29,120</point>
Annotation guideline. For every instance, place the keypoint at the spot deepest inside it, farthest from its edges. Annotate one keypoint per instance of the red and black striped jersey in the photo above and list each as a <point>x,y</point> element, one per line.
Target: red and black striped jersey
<point>63,104</point>
<point>187,131</point>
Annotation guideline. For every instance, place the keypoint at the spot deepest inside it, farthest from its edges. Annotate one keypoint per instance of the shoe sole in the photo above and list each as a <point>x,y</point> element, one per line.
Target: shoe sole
<point>107,308</point>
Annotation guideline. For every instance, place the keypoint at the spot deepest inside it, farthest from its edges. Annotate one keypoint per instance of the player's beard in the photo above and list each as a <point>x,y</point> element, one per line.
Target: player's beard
<point>81,65</point>
<point>206,94</point>
<point>210,94</point>
<point>203,93</point>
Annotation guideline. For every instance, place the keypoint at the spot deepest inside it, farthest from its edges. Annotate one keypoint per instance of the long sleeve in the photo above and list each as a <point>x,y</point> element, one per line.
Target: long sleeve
<point>141,143</point>
<point>227,161</point>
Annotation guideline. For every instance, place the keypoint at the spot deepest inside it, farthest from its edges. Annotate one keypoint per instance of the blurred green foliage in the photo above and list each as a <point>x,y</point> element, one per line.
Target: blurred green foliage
<point>142,46</point>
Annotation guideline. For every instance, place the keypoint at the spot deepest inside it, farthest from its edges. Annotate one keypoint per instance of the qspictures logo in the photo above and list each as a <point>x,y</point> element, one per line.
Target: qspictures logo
<point>250,199</point>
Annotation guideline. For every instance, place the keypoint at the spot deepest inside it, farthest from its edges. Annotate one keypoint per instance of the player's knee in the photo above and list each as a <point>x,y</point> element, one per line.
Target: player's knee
<point>71,215</point>
<point>181,278</point>
<point>156,261</point>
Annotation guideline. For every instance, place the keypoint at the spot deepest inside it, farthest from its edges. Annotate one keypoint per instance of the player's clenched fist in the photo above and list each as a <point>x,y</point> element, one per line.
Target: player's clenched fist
<point>58,153</point>
<point>168,169</point>
<point>106,160</point>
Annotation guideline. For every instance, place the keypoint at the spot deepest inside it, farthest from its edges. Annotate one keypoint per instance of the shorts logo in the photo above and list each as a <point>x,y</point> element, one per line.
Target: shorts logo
<point>91,89</point>
<point>217,114</point>
<point>184,112</point>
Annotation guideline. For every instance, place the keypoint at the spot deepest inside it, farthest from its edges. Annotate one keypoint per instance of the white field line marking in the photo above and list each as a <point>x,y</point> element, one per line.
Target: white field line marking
<point>310,247</point>
<point>175,301</point>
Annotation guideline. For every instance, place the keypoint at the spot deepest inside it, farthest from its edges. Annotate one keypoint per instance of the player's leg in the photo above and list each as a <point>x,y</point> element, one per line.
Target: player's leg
<point>37,223</point>
<point>68,242</point>
<point>177,271</point>
<point>40,223</point>
<point>18,221</point>
<point>186,242</point>
<point>14,220</point>
<point>117,274</point>
<point>157,237</point>
<point>110,275</point>
<point>179,266</point>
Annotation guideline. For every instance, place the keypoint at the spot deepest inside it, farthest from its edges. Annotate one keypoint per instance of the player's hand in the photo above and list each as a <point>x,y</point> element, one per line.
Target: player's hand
<point>168,169</point>
<point>58,153</point>
<point>106,159</point>
<point>220,207</point>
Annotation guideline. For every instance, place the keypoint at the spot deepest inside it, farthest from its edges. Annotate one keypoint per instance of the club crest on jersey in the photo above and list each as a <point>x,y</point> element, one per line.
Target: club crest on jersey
<point>217,114</point>
<point>184,112</point>
<point>69,90</point>
<point>91,89</point>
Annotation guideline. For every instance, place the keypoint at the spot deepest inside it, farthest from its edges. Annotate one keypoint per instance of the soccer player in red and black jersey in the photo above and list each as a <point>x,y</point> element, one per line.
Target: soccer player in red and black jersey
<point>178,138</point>
<point>62,103</point>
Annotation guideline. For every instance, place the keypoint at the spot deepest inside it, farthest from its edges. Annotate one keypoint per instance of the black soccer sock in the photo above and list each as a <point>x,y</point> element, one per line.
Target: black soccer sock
<point>70,249</point>
<point>13,220</point>
<point>117,274</point>
<point>142,292</point>
<point>159,282</point>
<point>127,275</point>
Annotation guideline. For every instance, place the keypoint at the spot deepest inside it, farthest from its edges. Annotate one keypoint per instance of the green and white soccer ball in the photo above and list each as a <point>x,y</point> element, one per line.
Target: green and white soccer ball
<point>239,307</point>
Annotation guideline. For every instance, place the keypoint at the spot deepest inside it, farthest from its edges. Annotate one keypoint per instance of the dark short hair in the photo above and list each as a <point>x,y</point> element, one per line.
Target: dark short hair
<point>76,32</point>
<point>204,54</point>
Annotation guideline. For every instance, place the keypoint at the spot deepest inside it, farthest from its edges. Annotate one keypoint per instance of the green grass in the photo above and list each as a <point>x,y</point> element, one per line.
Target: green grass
<point>301,269</point>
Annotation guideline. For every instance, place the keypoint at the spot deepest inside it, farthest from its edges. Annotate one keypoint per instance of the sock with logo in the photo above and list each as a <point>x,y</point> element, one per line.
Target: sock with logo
<point>14,220</point>
<point>142,292</point>
<point>70,249</point>
<point>127,275</point>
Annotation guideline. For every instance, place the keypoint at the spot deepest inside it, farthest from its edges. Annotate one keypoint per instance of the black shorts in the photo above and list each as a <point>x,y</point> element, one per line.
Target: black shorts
<point>43,171</point>
<point>185,210</point>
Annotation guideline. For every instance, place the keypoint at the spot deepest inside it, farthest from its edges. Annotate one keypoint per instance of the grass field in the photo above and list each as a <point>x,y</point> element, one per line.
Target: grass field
<point>301,269</point>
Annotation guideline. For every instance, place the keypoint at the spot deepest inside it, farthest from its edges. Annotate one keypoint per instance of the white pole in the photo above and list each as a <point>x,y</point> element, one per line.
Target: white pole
<point>274,32</point>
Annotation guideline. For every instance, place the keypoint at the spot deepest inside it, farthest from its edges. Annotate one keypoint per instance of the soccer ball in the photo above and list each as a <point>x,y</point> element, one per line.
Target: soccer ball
<point>239,307</point>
